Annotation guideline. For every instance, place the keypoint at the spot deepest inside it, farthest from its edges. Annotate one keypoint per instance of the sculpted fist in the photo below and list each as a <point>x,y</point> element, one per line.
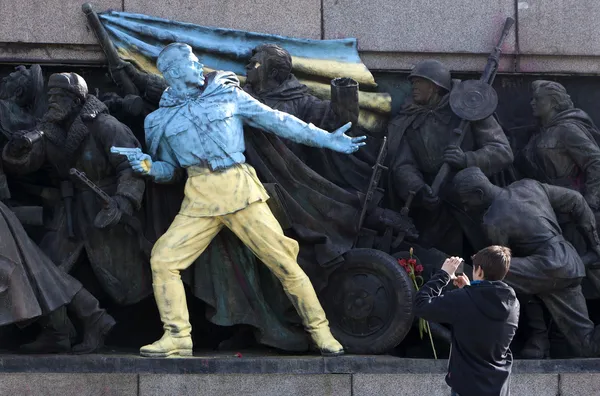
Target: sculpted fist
<point>428,199</point>
<point>142,164</point>
<point>455,157</point>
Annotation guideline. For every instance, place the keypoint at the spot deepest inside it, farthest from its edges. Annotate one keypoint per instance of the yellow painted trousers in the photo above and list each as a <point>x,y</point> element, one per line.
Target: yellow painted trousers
<point>256,226</point>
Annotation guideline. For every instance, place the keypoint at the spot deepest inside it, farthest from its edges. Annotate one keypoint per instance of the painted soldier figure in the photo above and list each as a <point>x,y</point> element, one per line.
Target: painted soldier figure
<point>522,217</point>
<point>78,132</point>
<point>198,129</point>
<point>420,143</point>
<point>270,80</point>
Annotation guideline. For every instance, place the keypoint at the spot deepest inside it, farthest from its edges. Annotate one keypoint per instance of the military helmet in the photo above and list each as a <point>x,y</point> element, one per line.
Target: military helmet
<point>434,71</point>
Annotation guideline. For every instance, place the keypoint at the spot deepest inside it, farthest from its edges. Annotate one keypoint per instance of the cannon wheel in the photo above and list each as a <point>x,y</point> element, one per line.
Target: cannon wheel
<point>369,302</point>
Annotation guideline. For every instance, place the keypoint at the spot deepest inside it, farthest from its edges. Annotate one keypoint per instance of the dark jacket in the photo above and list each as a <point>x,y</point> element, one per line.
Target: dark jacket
<point>565,153</point>
<point>417,139</point>
<point>113,252</point>
<point>484,319</point>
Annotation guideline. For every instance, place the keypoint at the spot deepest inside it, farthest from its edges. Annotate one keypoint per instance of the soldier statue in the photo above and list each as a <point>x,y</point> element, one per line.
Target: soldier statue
<point>34,286</point>
<point>421,139</point>
<point>78,132</point>
<point>523,217</point>
<point>199,129</point>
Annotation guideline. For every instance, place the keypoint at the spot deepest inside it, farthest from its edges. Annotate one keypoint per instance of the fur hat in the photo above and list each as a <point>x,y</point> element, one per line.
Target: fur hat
<point>71,82</point>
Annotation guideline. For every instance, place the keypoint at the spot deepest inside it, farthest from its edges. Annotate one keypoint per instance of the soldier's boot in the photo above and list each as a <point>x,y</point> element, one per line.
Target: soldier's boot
<point>537,345</point>
<point>55,335</point>
<point>97,323</point>
<point>313,317</point>
<point>172,306</point>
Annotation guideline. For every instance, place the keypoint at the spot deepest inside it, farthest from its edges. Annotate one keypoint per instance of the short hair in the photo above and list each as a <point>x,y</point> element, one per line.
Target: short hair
<point>494,261</point>
<point>555,91</point>
<point>277,58</point>
<point>469,180</point>
<point>171,55</point>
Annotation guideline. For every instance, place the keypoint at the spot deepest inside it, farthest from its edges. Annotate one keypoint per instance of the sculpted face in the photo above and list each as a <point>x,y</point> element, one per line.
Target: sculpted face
<point>471,200</point>
<point>541,105</point>
<point>422,90</point>
<point>253,69</point>
<point>15,84</point>
<point>186,68</point>
<point>61,104</point>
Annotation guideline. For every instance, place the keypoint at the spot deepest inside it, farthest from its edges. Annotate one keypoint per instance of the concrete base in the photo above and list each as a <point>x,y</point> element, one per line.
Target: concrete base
<point>271,375</point>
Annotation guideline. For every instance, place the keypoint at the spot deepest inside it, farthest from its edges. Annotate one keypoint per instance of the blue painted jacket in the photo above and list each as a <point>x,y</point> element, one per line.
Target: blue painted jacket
<point>207,130</point>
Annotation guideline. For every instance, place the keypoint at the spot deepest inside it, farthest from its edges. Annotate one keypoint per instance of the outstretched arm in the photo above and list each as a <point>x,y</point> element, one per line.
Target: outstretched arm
<point>287,126</point>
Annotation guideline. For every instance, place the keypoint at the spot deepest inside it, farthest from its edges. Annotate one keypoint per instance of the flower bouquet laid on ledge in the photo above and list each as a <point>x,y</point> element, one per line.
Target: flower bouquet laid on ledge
<point>414,270</point>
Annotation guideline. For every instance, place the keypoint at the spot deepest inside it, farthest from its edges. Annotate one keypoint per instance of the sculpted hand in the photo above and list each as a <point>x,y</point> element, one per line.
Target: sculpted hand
<point>142,164</point>
<point>342,143</point>
<point>455,157</point>
<point>123,204</point>
<point>428,199</point>
<point>593,201</point>
<point>21,143</point>
<point>111,214</point>
<point>596,249</point>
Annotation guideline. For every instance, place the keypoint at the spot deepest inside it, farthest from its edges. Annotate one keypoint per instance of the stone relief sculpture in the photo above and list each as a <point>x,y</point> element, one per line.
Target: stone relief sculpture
<point>240,125</point>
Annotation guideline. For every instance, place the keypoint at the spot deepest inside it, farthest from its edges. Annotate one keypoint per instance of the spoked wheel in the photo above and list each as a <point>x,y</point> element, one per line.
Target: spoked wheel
<point>369,302</point>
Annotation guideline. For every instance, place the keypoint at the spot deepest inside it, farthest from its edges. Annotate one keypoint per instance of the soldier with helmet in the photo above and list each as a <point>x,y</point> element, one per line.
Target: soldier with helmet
<point>421,138</point>
<point>78,132</point>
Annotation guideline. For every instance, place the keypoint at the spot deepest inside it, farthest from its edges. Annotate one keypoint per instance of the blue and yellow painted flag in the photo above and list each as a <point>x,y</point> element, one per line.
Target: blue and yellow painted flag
<point>139,39</point>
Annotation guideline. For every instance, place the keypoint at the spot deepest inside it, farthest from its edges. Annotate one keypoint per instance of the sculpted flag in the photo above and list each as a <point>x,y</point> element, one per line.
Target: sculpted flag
<point>140,38</point>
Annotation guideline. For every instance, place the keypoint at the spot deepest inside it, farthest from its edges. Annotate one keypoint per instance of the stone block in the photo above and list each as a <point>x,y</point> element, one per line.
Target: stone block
<point>53,384</point>
<point>52,53</point>
<point>246,385</point>
<point>455,62</point>
<point>399,384</point>
<point>559,27</point>
<point>296,18</point>
<point>468,26</point>
<point>585,384</point>
<point>534,384</point>
<point>49,21</point>
<point>558,64</point>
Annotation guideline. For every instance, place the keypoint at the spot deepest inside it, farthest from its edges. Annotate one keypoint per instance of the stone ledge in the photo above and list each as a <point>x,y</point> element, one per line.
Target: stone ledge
<point>247,385</point>
<point>205,363</point>
<point>53,384</point>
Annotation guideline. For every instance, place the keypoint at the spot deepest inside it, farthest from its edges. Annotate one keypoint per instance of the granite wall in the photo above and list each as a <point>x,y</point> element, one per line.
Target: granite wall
<point>550,36</point>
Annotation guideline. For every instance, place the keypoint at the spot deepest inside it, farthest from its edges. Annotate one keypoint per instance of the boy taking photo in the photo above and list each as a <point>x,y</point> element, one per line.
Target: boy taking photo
<point>484,315</point>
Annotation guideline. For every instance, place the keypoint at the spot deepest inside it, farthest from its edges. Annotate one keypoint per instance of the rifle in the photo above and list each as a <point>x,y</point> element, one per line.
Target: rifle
<point>114,212</point>
<point>489,74</point>
<point>374,182</point>
<point>116,65</point>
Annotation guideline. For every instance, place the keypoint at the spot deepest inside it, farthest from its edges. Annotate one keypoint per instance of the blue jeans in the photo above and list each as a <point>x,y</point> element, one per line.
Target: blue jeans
<point>452,393</point>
